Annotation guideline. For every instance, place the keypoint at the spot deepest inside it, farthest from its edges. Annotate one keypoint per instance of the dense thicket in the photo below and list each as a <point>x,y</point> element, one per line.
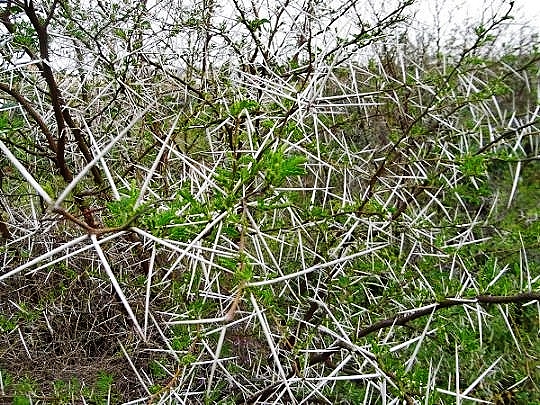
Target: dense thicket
<point>266,203</point>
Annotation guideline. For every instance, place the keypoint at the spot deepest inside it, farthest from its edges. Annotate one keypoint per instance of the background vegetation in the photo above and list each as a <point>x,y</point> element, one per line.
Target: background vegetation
<point>267,203</point>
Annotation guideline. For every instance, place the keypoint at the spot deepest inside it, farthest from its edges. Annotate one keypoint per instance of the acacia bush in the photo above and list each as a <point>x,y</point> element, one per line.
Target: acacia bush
<point>265,203</point>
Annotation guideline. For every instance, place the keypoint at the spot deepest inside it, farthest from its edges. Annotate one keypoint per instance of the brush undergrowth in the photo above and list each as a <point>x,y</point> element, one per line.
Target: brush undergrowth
<point>327,217</point>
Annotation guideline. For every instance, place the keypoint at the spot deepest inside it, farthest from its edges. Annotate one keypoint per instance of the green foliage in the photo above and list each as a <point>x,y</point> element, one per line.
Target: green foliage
<point>181,338</point>
<point>471,193</point>
<point>188,359</point>
<point>6,324</point>
<point>156,369</point>
<point>65,391</point>
<point>25,35</point>
<point>27,391</point>
<point>243,105</point>
<point>102,388</point>
<point>20,400</point>
<point>256,24</point>
<point>294,216</point>
<point>244,272</point>
<point>10,123</point>
<point>122,211</point>
<point>277,166</point>
<point>24,390</point>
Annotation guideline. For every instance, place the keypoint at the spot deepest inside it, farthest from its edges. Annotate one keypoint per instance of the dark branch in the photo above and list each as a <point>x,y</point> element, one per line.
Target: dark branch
<point>404,319</point>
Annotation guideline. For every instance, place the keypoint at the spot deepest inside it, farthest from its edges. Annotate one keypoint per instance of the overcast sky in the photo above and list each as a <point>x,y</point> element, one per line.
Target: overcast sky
<point>528,9</point>
<point>456,20</point>
<point>452,12</point>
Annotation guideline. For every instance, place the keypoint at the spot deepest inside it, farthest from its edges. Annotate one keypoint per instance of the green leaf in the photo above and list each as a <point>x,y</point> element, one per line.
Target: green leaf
<point>248,105</point>
<point>256,24</point>
<point>473,165</point>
